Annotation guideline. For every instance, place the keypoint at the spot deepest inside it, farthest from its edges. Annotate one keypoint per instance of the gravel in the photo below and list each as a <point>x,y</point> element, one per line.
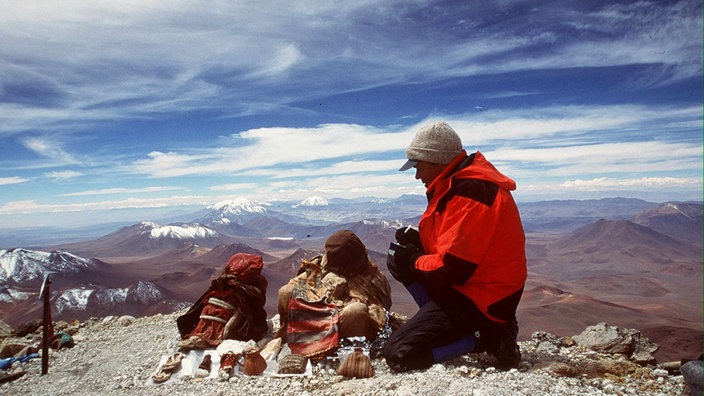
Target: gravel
<point>118,356</point>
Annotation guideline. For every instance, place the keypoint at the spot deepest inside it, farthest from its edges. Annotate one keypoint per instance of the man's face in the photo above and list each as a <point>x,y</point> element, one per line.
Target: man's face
<point>427,172</point>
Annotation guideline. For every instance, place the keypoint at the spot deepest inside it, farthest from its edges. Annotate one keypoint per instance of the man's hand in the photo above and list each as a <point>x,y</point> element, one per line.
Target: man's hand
<point>409,236</point>
<point>401,262</point>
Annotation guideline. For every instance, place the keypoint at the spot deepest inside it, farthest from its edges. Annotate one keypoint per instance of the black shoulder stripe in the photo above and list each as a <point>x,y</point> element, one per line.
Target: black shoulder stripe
<point>478,190</point>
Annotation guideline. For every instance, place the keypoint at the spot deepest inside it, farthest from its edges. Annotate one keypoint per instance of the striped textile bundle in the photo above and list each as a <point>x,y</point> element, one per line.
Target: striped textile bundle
<point>312,327</point>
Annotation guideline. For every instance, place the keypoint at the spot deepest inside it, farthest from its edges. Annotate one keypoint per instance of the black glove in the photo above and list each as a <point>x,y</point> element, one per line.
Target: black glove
<point>409,236</point>
<point>401,262</point>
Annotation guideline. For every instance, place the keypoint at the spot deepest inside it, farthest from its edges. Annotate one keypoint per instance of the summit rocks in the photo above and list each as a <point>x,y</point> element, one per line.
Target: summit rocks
<point>117,355</point>
<point>611,339</point>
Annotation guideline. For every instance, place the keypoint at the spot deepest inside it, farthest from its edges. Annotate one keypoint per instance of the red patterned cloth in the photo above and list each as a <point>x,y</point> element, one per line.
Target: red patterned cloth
<point>233,306</point>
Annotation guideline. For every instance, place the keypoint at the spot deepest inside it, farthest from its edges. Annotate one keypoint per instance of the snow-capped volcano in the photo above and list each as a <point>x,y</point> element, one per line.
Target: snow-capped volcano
<point>184,231</point>
<point>236,207</point>
<point>227,217</point>
<point>313,201</point>
<point>151,238</point>
<point>21,265</point>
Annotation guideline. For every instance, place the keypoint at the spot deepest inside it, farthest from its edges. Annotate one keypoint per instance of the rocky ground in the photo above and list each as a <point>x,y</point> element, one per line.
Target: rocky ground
<point>118,356</point>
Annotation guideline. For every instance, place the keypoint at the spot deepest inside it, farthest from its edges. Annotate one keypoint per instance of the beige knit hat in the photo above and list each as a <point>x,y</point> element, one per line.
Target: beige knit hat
<point>435,142</point>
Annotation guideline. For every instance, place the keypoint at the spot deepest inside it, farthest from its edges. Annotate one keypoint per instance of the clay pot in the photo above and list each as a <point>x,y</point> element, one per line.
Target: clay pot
<point>254,363</point>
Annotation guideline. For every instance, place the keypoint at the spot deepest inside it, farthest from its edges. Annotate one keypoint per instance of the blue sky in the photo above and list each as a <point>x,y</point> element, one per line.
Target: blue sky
<point>112,107</point>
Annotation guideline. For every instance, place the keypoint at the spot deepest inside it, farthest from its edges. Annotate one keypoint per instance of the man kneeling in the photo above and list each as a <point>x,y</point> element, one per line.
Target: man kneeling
<point>465,266</point>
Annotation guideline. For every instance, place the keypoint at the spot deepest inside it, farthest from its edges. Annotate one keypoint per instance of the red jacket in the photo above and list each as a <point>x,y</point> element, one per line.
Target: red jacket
<point>471,231</point>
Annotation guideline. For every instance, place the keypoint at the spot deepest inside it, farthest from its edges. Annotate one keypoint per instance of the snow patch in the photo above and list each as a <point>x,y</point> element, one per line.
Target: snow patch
<point>146,293</point>
<point>111,297</point>
<point>73,299</point>
<point>12,295</point>
<point>79,299</point>
<point>383,223</point>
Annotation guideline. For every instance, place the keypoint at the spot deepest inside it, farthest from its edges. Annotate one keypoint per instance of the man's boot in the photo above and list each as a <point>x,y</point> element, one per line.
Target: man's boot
<point>507,352</point>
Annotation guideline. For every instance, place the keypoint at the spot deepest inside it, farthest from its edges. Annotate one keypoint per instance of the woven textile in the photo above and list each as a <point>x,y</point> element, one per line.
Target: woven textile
<point>312,327</point>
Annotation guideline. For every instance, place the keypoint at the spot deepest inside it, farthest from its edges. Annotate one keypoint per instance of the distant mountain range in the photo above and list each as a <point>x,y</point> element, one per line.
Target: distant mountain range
<point>622,261</point>
<point>231,217</point>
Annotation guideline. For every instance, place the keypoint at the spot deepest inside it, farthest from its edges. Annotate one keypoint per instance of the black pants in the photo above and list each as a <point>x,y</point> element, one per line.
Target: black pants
<point>440,321</point>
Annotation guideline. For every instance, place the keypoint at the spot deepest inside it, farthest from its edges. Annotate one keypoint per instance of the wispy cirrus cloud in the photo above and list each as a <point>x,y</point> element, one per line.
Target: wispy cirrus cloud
<point>291,48</point>
<point>62,175</point>
<point>566,141</point>
<point>632,184</point>
<point>122,190</point>
<point>12,180</point>
<point>234,187</point>
<point>35,207</point>
<point>282,100</point>
<point>272,148</point>
<point>49,148</point>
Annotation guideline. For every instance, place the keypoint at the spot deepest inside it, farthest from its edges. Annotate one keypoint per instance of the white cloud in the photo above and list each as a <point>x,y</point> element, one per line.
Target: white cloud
<point>563,122</point>
<point>49,148</point>
<point>234,187</point>
<point>62,175</point>
<point>185,56</point>
<point>274,147</point>
<point>283,59</point>
<point>607,183</point>
<point>12,180</point>
<point>339,168</point>
<point>34,207</point>
<point>122,190</point>
<point>259,58</point>
<point>389,185</point>
<point>605,154</point>
<point>569,138</point>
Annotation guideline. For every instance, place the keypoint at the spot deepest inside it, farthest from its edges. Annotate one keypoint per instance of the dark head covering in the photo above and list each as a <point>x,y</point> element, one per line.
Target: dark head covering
<point>346,254</point>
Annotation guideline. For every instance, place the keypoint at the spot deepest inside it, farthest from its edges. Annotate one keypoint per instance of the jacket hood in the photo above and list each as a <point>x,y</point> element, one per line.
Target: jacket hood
<point>478,167</point>
<point>482,169</point>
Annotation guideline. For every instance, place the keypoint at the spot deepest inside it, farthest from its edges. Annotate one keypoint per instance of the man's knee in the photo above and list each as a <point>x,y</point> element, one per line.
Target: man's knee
<point>406,359</point>
<point>400,356</point>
